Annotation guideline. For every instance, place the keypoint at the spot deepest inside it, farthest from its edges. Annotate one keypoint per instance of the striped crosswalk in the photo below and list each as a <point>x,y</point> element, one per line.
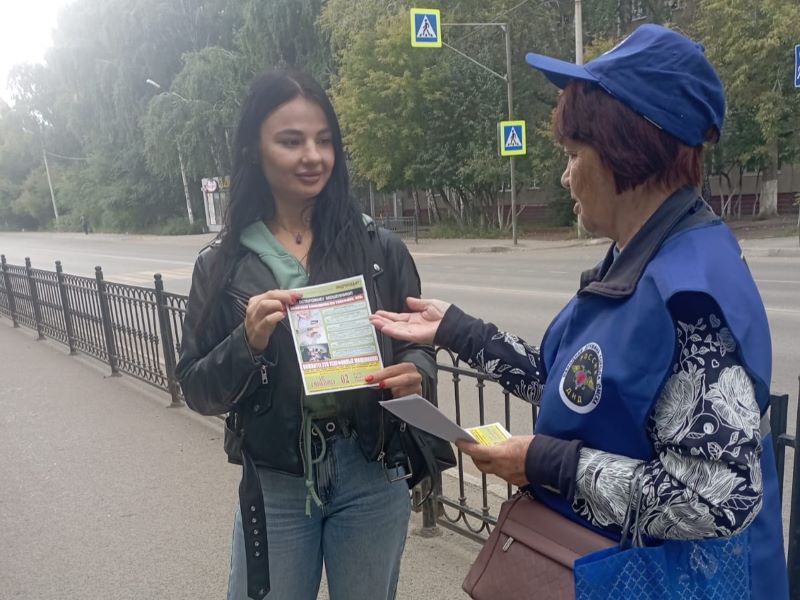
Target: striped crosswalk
<point>145,278</point>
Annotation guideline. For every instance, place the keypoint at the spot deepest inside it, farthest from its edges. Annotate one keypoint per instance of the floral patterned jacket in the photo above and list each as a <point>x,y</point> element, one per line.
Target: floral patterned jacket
<point>705,479</point>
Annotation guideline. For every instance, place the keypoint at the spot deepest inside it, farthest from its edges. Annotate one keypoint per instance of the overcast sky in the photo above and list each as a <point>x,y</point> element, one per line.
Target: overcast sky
<point>27,33</point>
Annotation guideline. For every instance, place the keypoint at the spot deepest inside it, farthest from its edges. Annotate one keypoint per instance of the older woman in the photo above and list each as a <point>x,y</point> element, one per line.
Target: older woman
<point>658,370</point>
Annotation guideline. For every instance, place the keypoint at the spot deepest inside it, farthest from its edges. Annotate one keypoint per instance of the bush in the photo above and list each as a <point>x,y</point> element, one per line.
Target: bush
<point>177,226</point>
<point>451,230</point>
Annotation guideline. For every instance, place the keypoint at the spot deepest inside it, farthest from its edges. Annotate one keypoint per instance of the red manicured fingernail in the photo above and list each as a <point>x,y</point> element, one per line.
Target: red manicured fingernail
<point>382,384</point>
<point>369,378</point>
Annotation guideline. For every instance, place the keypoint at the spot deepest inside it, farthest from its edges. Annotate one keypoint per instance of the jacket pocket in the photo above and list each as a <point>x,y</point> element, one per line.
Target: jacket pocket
<point>260,401</point>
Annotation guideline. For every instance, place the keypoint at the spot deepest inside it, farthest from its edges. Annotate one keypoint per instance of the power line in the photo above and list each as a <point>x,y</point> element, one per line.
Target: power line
<point>493,19</point>
<point>66,157</point>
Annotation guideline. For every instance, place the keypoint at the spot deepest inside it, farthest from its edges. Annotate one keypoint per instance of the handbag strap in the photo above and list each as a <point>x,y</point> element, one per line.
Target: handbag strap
<point>378,259</point>
<point>631,532</point>
<point>254,528</point>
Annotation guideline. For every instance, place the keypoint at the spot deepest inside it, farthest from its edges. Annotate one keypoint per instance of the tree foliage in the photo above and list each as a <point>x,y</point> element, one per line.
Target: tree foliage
<point>434,111</point>
<point>751,44</point>
<point>419,121</point>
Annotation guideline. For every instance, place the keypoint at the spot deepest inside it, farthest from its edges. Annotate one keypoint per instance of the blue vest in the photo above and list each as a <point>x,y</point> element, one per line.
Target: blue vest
<point>626,346</point>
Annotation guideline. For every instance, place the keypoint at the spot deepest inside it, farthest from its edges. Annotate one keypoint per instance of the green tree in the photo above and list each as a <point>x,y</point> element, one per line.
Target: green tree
<point>751,44</point>
<point>434,110</point>
<point>197,115</point>
<point>91,97</point>
<point>283,33</point>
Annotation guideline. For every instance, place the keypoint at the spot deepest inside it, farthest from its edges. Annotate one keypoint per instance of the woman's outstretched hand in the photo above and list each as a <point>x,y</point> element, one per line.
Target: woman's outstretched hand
<point>418,326</point>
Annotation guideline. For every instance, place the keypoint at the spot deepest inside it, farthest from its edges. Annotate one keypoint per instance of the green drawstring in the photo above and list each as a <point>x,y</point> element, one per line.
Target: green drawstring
<point>309,461</point>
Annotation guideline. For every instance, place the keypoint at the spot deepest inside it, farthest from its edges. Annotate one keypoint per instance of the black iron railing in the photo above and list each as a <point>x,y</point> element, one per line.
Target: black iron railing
<point>406,227</point>
<point>138,331</point>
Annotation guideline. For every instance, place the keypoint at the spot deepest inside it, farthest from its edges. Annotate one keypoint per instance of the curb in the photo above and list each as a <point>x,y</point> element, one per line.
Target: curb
<point>487,249</point>
<point>522,247</point>
<point>772,252</point>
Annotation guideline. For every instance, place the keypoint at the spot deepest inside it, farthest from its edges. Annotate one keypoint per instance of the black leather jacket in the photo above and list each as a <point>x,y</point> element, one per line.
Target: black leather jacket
<point>218,374</point>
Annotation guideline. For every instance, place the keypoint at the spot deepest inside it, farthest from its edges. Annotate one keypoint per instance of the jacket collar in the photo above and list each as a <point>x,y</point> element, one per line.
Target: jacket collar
<point>618,277</point>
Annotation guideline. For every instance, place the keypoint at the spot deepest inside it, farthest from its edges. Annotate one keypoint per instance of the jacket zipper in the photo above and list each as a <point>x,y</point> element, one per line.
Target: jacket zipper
<point>382,453</point>
<point>262,370</point>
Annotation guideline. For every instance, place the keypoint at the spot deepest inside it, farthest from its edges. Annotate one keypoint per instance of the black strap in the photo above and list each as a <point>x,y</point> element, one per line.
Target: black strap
<point>254,526</point>
<point>424,443</point>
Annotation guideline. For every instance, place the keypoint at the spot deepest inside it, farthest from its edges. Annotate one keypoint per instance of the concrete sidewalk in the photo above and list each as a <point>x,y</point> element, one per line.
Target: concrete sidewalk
<point>108,494</point>
<point>776,246</point>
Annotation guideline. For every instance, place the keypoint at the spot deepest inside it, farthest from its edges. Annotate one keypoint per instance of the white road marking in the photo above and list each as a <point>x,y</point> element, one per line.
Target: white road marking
<point>777,281</point>
<point>145,278</point>
<point>495,290</point>
<point>541,293</point>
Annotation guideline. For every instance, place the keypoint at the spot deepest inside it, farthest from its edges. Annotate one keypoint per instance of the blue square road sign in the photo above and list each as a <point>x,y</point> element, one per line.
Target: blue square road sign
<point>797,66</point>
<point>512,138</point>
<point>426,28</point>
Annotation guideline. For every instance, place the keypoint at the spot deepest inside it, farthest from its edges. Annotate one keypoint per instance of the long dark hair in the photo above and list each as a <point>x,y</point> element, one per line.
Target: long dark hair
<point>339,241</point>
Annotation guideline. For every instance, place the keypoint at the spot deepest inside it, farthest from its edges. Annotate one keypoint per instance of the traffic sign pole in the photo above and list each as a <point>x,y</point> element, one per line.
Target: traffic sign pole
<point>430,35</point>
<point>510,89</point>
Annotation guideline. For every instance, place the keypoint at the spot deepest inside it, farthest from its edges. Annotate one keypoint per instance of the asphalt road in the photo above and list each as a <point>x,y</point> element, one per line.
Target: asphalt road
<point>520,291</point>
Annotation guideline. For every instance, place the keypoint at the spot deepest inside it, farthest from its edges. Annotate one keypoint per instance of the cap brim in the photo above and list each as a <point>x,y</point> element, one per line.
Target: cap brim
<point>559,72</point>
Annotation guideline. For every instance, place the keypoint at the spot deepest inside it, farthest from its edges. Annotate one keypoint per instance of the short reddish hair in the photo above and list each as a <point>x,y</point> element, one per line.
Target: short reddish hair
<point>633,148</point>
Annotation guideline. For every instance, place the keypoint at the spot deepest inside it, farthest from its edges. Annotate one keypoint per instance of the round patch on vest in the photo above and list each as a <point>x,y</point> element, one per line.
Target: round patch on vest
<point>580,386</point>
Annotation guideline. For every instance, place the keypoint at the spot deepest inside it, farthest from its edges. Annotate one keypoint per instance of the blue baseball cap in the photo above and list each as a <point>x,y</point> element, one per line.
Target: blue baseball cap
<point>660,74</point>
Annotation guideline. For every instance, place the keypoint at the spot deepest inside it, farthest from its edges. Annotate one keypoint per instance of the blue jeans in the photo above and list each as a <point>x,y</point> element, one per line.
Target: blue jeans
<point>360,530</point>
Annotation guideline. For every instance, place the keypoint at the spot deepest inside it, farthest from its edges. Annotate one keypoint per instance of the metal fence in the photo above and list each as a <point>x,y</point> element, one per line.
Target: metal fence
<point>138,331</point>
<point>406,227</point>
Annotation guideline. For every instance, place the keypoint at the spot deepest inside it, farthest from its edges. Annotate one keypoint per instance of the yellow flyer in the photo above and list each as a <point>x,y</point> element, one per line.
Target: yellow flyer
<point>336,344</point>
<point>489,435</point>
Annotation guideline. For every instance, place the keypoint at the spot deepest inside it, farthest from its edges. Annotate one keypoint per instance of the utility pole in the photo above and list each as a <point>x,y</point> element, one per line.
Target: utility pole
<point>189,212</point>
<point>510,94</point>
<point>578,33</point>
<point>510,90</point>
<point>371,201</point>
<point>581,232</point>
<point>49,182</point>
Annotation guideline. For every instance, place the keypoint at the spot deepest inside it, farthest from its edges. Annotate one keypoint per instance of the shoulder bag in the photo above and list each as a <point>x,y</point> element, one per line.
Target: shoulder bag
<point>530,554</point>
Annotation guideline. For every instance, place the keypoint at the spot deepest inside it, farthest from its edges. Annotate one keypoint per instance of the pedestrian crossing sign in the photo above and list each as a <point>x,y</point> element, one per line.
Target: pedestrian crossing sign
<point>797,66</point>
<point>426,28</point>
<point>512,138</point>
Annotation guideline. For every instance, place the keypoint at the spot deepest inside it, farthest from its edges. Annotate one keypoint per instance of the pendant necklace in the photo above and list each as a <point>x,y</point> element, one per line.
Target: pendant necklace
<point>298,236</point>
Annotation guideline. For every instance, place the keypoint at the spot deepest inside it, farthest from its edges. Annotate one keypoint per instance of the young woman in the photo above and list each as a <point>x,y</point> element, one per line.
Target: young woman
<point>317,484</point>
